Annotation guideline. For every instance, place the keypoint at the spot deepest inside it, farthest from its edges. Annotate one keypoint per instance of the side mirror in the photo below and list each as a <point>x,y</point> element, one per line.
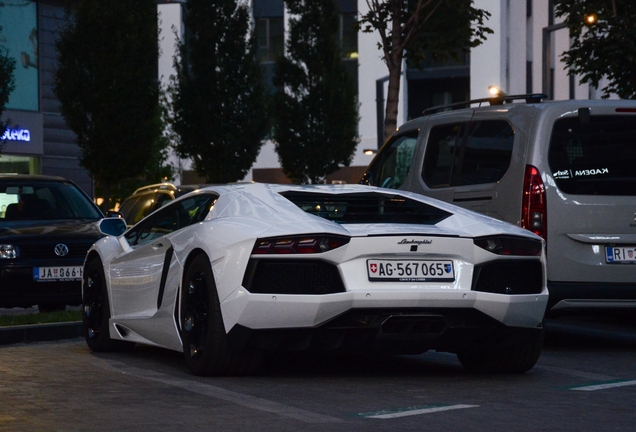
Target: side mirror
<point>112,226</point>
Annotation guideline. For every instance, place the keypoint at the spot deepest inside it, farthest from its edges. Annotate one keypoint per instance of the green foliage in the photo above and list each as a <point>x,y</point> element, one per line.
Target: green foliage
<point>606,48</point>
<point>7,82</point>
<point>439,28</point>
<point>315,110</point>
<point>413,29</point>
<point>10,320</point>
<point>218,106</point>
<point>106,82</point>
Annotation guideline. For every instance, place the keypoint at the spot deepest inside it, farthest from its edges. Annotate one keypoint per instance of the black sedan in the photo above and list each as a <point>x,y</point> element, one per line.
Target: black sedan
<point>46,226</point>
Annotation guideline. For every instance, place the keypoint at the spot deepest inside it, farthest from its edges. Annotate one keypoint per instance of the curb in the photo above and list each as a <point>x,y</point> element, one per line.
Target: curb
<point>40,332</point>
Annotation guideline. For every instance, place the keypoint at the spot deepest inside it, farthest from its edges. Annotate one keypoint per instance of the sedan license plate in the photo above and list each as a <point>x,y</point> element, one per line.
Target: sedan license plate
<point>62,273</point>
<point>620,255</point>
<point>410,271</point>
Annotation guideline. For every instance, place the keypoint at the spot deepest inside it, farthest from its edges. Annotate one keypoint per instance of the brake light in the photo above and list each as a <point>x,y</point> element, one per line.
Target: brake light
<point>507,245</point>
<point>626,110</point>
<point>298,244</point>
<point>534,211</point>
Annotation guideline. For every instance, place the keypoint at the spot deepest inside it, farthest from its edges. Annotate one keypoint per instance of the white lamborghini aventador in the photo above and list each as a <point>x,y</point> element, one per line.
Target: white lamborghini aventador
<point>228,273</point>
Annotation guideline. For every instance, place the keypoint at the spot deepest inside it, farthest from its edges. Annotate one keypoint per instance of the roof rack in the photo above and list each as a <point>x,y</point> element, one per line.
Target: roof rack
<point>495,100</point>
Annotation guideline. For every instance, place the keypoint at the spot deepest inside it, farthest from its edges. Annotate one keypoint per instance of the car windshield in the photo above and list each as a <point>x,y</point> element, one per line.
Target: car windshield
<point>44,200</point>
<point>367,208</point>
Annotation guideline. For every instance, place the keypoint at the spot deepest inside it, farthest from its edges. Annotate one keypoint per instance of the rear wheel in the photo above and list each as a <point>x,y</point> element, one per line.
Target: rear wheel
<point>96,311</point>
<point>205,345</point>
<point>515,353</point>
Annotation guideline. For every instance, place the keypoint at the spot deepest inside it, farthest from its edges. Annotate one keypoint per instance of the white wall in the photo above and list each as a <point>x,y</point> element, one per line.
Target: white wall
<point>487,61</point>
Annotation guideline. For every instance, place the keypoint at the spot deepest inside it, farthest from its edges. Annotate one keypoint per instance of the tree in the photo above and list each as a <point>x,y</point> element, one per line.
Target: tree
<point>413,29</point>
<point>603,34</point>
<point>7,83</point>
<point>218,104</point>
<point>315,109</point>
<point>106,82</point>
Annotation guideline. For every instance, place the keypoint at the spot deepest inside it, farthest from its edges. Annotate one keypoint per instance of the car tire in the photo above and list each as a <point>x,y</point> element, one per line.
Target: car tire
<point>96,311</point>
<point>515,353</point>
<point>205,343</point>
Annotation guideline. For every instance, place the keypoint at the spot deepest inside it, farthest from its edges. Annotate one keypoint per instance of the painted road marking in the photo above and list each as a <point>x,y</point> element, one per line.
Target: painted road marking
<point>411,411</point>
<point>199,387</point>
<point>608,385</point>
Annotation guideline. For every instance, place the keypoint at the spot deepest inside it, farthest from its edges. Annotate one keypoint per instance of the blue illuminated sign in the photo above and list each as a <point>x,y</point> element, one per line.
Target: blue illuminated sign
<point>16,134</point>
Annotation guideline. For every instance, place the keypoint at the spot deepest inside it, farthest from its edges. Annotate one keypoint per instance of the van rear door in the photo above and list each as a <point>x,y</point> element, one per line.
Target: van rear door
<point>592,204</point>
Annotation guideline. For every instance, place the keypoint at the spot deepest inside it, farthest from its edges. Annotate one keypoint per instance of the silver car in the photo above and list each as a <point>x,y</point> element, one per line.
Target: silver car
<point>562,169</point>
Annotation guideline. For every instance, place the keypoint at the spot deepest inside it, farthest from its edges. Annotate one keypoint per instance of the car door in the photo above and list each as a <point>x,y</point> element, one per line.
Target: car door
<point>139,276</point>
<point>437,157</point>
<point>465,160</point>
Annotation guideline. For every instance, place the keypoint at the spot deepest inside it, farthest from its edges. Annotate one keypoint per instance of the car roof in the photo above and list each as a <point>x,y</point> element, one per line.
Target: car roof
<point>167,187</point>
<point>270,193</point>
<point>30,177</point>
<point>549,107</point>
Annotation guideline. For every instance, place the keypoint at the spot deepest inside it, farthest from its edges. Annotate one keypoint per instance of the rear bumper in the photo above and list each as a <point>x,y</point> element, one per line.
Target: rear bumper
<point>387,331</point>
<point>266,311</point>
<point>575,297</point>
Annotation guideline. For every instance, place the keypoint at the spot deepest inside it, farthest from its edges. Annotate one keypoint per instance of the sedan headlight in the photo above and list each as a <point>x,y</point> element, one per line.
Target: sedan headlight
<point>8,251</point>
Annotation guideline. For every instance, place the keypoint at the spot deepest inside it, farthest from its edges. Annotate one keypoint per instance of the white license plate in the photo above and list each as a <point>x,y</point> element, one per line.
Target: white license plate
<point>620,255</point>
<point>411,271</point>
<point>61,273</point>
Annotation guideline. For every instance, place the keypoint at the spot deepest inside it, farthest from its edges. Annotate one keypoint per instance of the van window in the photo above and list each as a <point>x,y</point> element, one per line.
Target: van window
<point>456,158</point>
<point>596,157</point>
<point>440,154</point>
<point>391,166</point>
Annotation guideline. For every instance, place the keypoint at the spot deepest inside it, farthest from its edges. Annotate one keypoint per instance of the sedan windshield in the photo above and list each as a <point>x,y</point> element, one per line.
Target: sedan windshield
<point>44,200</point>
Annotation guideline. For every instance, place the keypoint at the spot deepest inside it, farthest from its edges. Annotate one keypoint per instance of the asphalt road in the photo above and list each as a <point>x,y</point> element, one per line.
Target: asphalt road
<point>584,380</point>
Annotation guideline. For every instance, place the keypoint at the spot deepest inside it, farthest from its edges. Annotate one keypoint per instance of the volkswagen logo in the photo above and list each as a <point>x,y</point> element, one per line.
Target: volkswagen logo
<point>61,249</point>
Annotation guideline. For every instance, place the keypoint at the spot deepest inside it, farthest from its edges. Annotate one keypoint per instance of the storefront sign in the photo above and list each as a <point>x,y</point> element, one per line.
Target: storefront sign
<point>16,134</point>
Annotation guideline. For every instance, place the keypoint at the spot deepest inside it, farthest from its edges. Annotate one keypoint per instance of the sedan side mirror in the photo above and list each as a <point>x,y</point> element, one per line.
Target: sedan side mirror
<point>112,226</point>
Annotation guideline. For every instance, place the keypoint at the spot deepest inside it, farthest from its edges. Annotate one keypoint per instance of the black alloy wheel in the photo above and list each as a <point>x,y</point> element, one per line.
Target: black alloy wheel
<point>96,311</point>
<point>205,343</point>
<point>195,313</point>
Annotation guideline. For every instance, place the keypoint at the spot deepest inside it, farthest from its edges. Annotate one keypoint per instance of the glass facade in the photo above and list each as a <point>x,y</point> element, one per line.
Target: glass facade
<point>18,19</point>
<point>10,164</point>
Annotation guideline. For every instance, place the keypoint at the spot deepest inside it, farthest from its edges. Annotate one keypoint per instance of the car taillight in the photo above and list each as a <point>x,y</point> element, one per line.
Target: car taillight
<point>507,245</point>
<point>299,244</point>
<point>534,211</point>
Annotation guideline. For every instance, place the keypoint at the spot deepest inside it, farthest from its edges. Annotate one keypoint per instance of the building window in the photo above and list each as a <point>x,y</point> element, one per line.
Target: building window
<point>19,164</point>
<point>18,19</point>
<point>348,35</point>
<point>270,37</point>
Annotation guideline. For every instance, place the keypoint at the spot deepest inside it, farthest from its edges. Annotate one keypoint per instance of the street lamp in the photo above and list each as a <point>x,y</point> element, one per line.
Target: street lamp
<point>590,19</point>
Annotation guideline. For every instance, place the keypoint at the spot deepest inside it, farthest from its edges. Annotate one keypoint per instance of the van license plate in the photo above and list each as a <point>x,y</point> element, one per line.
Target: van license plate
<point>620,255</point>
<point>410,271</point>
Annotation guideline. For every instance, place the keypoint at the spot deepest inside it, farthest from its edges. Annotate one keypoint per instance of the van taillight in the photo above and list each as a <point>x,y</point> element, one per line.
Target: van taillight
<point>533,211</point>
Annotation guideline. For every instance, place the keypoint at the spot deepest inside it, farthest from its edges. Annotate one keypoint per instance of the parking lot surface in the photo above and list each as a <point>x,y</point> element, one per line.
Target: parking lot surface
<point>584,380</point>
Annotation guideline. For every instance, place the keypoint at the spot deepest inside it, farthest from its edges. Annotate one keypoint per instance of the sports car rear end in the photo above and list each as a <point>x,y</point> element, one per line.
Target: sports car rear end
<point>401,276</point>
